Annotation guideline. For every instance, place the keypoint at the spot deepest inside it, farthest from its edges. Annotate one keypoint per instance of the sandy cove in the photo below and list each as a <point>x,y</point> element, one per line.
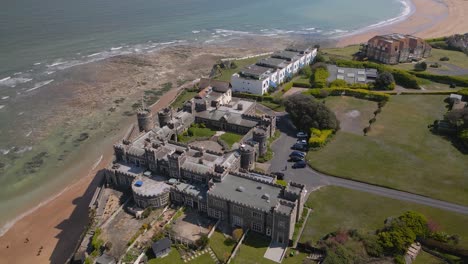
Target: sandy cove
<point>431,19</point>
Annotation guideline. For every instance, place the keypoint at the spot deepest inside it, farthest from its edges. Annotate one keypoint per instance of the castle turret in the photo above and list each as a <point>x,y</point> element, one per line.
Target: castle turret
<point>120,153</point>
<point>260,135</point>
<point>145,120</point>
<point>247,153</point>
<point>164,117</point>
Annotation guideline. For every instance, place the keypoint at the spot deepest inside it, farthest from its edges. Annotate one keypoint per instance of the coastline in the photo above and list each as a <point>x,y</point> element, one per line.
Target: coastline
<point>42,225</point>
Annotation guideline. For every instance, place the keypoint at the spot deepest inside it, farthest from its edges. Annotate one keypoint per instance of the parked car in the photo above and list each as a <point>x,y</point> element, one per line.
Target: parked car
<point>296,158</point>
<point>302,141</point>
<point>297,153</point>
<point>278,175</point>
<point>299,164</point>
<point>299,146</point>
<point>301,135</point>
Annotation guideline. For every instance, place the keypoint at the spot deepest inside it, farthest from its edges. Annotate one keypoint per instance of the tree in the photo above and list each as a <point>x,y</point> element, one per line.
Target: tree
<point>306,113</point>
<point>416,222</point>
<point>385,81</point>
<point>319,58</point>
<point>203,241</point>
<point>338,83</point>
<point>237,234</point>
<point>420,66</point>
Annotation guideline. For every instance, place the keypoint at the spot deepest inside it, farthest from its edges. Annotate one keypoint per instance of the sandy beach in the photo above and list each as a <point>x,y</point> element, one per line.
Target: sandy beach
<point>53,229</point>
<point>430,19</point>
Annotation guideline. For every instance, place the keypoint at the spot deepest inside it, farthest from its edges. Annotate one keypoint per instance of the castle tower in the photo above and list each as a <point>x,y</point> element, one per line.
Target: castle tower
<point>145,120</point>
<point>260,135</point>
<point>119,152</point>
<point>189,106</point>
<point>164,117</point>
<point>247,157</point>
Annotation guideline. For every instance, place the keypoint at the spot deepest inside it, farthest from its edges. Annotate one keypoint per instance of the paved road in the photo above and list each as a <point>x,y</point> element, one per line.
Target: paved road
<point>313,179</point>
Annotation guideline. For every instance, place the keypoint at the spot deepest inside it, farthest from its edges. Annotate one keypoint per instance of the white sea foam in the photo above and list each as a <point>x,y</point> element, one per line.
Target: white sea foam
<point>28,134</point>
<point>1,107</point>
<point>195,31</point>
<point>5,79</point>
<point>39,85</point>
<point>17,73</point>
<point>37,63</point>
<point>21,113</point>
<point>57,63</point>
<point>117,48</point>
<point>94,54</point>
<point>23,149</point>
<point>49,72</point>
<point>5,97</point>
<point>13,82</point>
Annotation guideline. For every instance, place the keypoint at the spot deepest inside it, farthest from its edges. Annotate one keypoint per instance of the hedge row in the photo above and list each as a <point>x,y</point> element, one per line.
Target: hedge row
<point>463,92</point>
<point>302,84</point>
<point>319,137</point>
<point>402,77</point>
<point>287,86</point>
<point>256,97</point>
<point>457,80</point>
<point>358,93</point>
<point>320,77</point>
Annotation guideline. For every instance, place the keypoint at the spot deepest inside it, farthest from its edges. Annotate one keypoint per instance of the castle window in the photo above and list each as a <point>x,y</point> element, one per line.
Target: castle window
<point>257,215</point>
<point>281,224</point>
<point>257,227</point>
<point>268,231</point>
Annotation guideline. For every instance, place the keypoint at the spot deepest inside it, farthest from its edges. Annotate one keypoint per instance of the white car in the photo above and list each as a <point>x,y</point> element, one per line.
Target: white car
<point>301,135</point>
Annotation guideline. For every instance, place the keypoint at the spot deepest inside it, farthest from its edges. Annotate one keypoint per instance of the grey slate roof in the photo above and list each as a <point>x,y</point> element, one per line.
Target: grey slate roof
<point>287,55</point>
<point>161,245</point>
<point>273,63</point>
<point>252,192</point>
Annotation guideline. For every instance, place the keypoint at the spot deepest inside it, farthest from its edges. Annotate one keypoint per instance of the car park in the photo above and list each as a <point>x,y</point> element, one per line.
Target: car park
<point>296,158</point>
<point>297,153</point>
<point>299,164</point>
<point>301,135</point>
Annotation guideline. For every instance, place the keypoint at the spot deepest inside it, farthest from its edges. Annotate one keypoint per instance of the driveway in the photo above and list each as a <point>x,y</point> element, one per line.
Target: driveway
<point>313,179</point>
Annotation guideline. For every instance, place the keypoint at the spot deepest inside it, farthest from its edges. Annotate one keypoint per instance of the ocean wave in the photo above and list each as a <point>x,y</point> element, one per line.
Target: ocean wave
<point>117,48</point>
<point>37,63</point>
<point>195,31</point>
<point>38,85</point>
<point>1,107</point>
<point>23,149</point>
<point>94,55</point>
<point>57,63</point>
<point>5,97</point>
<point>13,82</point>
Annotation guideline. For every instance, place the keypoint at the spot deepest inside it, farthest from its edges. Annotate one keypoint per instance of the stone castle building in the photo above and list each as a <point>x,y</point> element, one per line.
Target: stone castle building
<point>158,170</point>
<point>396,48</point>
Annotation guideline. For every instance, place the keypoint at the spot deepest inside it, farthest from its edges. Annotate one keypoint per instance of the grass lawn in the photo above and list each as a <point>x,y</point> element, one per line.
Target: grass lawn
<point>342,53</point>
<point>227,73</point>
<point>173,257</point>
<point>400,152</point>
<point>426,258</point>
<point>198,132</point>
<point>354,114</point>
<point>252,250</point>
<point>336,207</point>
<point>221,246</point>
<point>184,96</point>
<point>457,58</point>
<point>273,106</point>
<point>231,138</point>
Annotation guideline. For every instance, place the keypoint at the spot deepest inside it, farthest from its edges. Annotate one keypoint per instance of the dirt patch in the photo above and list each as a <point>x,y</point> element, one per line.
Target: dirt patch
<point>192,225</point>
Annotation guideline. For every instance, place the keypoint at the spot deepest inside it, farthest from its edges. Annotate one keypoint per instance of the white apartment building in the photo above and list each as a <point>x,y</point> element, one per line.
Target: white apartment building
<point>273,71</point>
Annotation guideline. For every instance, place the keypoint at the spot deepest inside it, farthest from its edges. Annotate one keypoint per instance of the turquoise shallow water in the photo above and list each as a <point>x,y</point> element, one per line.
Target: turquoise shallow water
<point>40,39</point>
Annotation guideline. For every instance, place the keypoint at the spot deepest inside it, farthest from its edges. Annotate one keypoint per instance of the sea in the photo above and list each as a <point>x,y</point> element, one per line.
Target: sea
<point>39,39</point>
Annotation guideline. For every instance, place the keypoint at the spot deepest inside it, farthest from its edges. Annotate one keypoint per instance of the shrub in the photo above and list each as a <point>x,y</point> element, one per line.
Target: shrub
<point>405,79</point>
<point>287,86</point>
<point>319,138</point>
<point>319,58</point>
<point>338,83</point>
<point>306,71</point>
<point>319,78</point>
<point>372,120</point>
<point>445,58</point>
<point>420,66</point>
<point>301,84</point>
<point>237,234</point>
<point>435,65</point>
<point>385,81</point>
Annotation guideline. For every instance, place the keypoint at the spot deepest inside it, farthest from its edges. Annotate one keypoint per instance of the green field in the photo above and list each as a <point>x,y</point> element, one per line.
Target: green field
<point>227,73</point>
<point>221,246</point>
<point>184,96</point>
<point>231,138</point>
<point>457,59</point>
<point>341,53</point>
<point>354,114</point>
<point>400,152</point>
<point>336,207</point>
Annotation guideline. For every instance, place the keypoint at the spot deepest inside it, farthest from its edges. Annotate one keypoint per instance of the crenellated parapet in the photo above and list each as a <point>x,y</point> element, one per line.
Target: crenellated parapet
<point>237,202</point>
<point>246,176</point>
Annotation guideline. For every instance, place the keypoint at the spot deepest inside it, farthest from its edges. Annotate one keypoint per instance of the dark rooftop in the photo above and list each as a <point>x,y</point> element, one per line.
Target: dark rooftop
<point>287,55</point>
<point>161,245</point>
<point>273,63</point>
<point>255,70</point>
